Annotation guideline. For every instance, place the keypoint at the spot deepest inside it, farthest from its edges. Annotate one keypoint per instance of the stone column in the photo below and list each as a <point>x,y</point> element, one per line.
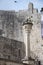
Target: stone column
<point>27,26</point>
<point>26,34</point>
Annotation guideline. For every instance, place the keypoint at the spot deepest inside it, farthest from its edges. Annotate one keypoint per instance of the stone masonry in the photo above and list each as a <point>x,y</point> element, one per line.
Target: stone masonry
<point>11,27</point>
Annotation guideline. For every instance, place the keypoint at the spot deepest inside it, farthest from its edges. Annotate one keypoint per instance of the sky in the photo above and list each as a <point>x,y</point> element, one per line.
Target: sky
<point>20,5</point>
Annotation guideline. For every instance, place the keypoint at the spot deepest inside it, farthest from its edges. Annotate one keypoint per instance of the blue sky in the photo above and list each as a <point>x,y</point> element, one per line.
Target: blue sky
<point>20,5</point>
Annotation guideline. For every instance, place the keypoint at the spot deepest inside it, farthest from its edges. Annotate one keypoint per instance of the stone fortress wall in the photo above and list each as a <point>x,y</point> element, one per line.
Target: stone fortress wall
<point>12,47</point>
<point>11,27</point>
<point>11,50</point>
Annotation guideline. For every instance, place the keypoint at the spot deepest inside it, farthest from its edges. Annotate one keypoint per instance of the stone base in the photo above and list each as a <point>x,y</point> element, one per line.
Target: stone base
<point>28,61</point>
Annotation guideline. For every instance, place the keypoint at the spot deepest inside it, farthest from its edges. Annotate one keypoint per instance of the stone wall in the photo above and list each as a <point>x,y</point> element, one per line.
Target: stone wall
<point>13,31</point>
<point>6,62</point>
<point>36,42</point>
<point>10,25</point>
<point>11,49</point>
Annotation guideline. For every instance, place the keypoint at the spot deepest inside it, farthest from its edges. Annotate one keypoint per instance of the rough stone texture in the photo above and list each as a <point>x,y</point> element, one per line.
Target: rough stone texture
<point>11,22</point>
<point>37,41</point>
<point>6,62</point>
<point>11,27</point>
<point>11,49</point>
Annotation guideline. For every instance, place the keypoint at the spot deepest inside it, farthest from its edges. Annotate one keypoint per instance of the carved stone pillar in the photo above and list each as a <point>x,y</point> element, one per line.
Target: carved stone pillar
<point>27,26</point>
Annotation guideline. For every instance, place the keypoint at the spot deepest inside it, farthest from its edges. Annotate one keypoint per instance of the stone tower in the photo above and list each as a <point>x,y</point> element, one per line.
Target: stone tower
<point>30,8</point>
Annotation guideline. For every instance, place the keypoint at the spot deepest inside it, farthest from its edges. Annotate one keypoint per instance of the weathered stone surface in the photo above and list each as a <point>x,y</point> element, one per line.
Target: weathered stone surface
<point>6,62</point>
<point>11,27</point>
<point>11,49</point>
